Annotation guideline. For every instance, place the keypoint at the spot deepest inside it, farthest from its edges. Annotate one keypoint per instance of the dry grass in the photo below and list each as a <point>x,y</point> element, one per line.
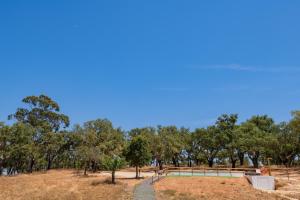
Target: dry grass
<point>288,188</point>
<point>64,185</point>
<point>209,188</point>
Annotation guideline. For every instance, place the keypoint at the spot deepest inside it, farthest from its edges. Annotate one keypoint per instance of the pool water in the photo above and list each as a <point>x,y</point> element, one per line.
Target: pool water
<point>212,173</point>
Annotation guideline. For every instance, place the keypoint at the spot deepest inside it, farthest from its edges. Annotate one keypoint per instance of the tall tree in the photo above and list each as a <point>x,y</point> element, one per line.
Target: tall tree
<point>257,132</point>
<point>99,139</point>
<point>209,142</point>
<point>287,143</point>
<point>19,147</point>
<point>41,113</point>
<point>4,133</point>
<point>138,153</point>
<point>227,125</point>
<point>172,144</point>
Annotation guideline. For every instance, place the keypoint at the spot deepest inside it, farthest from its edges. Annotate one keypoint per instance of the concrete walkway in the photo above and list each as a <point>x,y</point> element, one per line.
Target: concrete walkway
<point>144,191</point>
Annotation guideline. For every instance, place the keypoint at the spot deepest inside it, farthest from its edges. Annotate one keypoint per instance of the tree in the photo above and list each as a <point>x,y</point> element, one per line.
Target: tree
<point>99,139</point>
<point>52,145</point>
<point>113,163</point>
<point>88,150</point>
<point>227,125</point>
<point>150,135</point>
<point>19,147</point>
<point>208,143</point>
<point>171,144</point>
<point>257,135</point>
<point>42,114</point>
<point>4,133</point>
<point>138,153</point>
<point>287,143</point>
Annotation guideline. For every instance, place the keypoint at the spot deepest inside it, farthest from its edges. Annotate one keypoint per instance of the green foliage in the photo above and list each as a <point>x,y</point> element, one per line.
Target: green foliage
<point>256,136</point>
<point>37,141</point>
<point>42,114</point>
<point>138,152</point>
<point>209,142</point>
<point>113,163</point>
<point>98,139</point>
<point>227,125</point>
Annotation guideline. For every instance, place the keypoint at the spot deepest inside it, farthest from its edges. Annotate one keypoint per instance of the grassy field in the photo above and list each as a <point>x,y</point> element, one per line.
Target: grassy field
<point>64,185</point>
<point>71,185</point>
<point>209,188</point>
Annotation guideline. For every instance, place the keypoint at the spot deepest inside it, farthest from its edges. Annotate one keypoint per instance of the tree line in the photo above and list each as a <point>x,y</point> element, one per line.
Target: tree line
<point>39,140</point>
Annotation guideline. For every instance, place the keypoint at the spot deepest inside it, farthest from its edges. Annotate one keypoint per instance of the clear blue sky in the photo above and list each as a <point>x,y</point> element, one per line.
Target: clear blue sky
<point>141,63</point>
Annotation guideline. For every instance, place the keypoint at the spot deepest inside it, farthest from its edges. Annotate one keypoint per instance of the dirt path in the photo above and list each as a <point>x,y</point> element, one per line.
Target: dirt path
<point>144,191</point>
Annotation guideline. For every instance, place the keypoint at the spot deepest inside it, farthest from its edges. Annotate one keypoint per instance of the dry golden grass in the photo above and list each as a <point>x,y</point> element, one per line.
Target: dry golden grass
<point>64,185</point>
<point>209,188</point>
<point>288,188</point>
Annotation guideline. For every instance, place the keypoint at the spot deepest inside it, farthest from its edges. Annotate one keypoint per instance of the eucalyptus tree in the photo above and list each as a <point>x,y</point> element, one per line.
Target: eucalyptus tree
<point>43,114</point>
<point>19,147</point>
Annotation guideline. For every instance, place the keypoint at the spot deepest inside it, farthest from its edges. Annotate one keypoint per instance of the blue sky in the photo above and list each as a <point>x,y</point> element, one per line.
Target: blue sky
<point>142,63</point>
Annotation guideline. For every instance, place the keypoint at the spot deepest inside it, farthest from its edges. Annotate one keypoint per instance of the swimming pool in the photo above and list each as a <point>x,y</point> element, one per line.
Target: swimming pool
<point>207,173</point>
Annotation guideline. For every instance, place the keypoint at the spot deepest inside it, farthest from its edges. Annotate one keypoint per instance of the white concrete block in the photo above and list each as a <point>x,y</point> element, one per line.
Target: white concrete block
<point>263,182</point>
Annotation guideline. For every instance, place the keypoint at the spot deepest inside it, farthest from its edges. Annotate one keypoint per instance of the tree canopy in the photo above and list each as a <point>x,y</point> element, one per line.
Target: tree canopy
<point>39,140</point>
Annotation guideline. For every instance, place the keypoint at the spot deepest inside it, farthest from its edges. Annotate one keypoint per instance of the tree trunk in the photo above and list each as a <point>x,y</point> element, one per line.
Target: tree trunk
<point>241,158</point>
<point>189,162</point>
<point>30,165</point>
<point>210,162</point>
<point>233,163</point>
<point>85,168</point>
<point>113,179</point>
<point>160,163</point>
<point>1,168</point>
<point>254,161</point>
<point>49,164</point>
<point>174,162</point>
<point>254,158</point>
<point>94,166</point>
<point>136,172</point>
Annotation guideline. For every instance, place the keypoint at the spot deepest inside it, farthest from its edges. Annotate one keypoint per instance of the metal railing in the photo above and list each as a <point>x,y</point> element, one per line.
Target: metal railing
<point>277,172</point>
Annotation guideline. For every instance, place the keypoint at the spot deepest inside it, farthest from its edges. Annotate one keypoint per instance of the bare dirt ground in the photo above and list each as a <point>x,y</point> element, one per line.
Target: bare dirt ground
<point>66,185</point>
<point>209,188</point>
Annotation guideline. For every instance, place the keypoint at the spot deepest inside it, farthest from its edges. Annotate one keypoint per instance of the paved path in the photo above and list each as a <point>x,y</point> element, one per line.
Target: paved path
<point>144,191</point>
